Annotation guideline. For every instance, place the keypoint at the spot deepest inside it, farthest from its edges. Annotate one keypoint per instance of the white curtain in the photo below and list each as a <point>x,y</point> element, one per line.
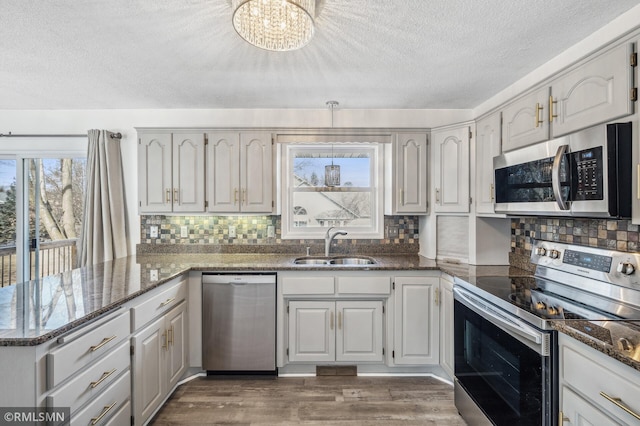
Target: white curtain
<point>104,233</point>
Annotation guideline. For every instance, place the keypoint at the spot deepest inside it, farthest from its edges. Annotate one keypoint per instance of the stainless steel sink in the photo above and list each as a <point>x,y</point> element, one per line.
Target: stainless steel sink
<point>338,260</point>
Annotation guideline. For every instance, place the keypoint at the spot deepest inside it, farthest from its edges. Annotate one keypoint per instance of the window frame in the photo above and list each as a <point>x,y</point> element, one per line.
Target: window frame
<point>377,182</point>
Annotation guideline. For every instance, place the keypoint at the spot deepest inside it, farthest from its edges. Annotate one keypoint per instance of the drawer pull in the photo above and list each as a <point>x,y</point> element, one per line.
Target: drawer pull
<point>618,402</point>
<point>166,302</point>
<point>105,410</point>
<point>103,378</point>
<point>101,344</point>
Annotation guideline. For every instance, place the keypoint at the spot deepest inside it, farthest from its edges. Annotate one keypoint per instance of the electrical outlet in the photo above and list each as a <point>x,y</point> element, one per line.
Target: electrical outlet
<point>232,231</point>
<point>393,232</point>
<point>271,231</point>
<point>153,231</point>
<point>153,275</point>
<point>184,231</point>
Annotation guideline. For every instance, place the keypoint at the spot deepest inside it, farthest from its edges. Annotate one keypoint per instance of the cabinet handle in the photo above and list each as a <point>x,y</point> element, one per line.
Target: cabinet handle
<point>491,189</point>
<point>437,195</point>
<point>551,114</point>
<point>539,109</point>
<point>339,320</point>
<point>562,418</point>
<point>402,197</point>
<point>164,340</point>
<point>436,298</point>
<point>176,199</point>
<point>103,378</point>
<point>235,196</point>
<point>331,320</point>
<point>618,403</point>
<point>244,197</point>
<point>101,344</point>
<point>105,410</point>
<point>170,338</point>
<point>166,302</point>
<point>168,198</point>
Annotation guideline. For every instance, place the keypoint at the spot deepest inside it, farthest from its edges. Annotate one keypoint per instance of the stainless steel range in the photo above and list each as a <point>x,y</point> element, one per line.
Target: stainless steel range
<point>506,354</point>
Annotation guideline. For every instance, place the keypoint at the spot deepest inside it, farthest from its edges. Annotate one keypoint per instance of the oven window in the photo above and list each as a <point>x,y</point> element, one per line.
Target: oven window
<point>505,378</point>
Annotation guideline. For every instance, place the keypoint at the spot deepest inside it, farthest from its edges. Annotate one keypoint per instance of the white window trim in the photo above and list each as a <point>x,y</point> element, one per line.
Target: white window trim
<point>376,231</point>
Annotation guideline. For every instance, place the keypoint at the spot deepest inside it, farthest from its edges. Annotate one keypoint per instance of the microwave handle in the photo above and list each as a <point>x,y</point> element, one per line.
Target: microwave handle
<point>555,177</point>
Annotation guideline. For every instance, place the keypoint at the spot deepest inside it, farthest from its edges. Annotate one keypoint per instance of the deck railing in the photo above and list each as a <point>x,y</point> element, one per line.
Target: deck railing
<point>54,257</point>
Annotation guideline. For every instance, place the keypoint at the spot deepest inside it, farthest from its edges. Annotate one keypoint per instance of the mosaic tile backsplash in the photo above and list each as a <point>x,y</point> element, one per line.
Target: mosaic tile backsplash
<point>619,235</point>
<point>252,234</point>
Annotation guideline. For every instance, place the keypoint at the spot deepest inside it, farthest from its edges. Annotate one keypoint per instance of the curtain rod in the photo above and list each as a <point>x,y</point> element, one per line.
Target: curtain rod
<point>11,135</point>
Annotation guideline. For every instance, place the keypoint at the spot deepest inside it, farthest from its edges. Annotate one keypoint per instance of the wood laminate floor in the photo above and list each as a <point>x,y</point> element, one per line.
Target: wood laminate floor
<point>322,400</point>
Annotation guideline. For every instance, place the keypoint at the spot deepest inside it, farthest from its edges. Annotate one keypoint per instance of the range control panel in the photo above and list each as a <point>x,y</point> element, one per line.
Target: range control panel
<point>604,265</point>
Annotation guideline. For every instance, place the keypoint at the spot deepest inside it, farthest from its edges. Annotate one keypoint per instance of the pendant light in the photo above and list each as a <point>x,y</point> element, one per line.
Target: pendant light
<point>332,172</point>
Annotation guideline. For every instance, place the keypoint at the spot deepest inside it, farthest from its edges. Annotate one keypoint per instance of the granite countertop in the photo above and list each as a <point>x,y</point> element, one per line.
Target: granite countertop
<point>37,311</point>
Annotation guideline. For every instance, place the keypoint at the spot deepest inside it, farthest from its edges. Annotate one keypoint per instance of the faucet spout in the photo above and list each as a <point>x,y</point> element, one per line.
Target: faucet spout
<point>329,237</point>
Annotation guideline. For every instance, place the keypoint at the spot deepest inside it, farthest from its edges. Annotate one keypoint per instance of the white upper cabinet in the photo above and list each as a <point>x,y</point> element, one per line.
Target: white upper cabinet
<point>487,146</point>
<point>240,172</point>
<point>596,92</point>
<point>171,172</point>
<point>451,169</point>
<point>408,191</point>
<point>524,122</point>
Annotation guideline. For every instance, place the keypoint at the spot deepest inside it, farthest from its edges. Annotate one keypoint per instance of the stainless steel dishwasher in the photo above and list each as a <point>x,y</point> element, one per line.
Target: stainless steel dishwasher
<point>239,323</point>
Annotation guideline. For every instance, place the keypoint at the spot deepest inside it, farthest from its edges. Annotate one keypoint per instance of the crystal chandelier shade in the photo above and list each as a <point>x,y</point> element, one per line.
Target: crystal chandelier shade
<point>277,25</point>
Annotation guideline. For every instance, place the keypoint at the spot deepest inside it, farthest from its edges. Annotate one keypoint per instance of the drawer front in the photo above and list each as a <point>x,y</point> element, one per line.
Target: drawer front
<point>364,285</point>
<point>92,380</point>
<point>157,304</point>
<point>593,375</point>
<point>104,406</point>
<point>308,285</point>
<point>89,347</point>
<point>122,416</point>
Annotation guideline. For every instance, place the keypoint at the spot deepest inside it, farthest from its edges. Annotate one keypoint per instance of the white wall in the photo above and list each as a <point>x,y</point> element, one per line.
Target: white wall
<point>125,121</point>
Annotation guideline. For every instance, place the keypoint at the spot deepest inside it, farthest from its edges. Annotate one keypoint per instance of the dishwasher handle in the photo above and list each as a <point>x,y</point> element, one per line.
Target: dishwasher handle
<point>238,279</point>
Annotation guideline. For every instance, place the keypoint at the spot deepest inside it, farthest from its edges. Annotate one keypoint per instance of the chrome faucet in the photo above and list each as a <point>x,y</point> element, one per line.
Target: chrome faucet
<point>328,237</point>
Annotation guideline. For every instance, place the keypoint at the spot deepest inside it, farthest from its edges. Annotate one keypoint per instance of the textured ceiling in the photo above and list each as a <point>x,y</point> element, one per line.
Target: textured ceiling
<point>88,54</point>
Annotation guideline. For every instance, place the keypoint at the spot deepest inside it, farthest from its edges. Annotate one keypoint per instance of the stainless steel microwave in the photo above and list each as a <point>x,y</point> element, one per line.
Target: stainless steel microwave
<point>584,174</point>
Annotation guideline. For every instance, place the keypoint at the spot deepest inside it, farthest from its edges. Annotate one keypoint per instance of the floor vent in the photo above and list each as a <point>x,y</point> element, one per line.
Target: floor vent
<point>336,370</point>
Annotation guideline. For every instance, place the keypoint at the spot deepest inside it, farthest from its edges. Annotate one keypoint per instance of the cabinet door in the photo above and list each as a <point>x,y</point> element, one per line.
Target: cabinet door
<point>176,325</point>
<point>451,170</point>
<point>524,121</point>
<point>579,412</point>
<point>410,189</point>
<point>188,172</point>
<point>312,331</point>
<point>359,331</point>
<point>256,172</point>
<point>487,146</point>
<point>223,174</point>
<point>594,93</point>
<point>154,173</point>
<point>446,326</point>
<point>149,369</point>
<point>416,320</point>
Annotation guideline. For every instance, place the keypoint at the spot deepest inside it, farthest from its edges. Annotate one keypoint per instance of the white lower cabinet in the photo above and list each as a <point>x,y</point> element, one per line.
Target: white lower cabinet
<point>159,353</point>
<point>416,323</point>
<point>596,389</point>
<point>446,326</point>
<point>327,331</point>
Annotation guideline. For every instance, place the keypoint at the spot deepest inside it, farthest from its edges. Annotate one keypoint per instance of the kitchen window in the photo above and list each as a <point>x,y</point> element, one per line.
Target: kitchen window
<point>311,204</point>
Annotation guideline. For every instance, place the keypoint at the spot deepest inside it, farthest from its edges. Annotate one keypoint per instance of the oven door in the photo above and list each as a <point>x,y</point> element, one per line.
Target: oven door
<point>504,366</point>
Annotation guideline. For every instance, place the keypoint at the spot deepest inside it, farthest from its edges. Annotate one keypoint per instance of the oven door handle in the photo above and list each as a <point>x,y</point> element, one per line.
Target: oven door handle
<point>508,324</point>
<point>555,177</point>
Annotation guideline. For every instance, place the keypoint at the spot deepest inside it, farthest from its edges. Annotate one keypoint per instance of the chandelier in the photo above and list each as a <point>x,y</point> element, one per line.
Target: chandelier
<point>278,25</point>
